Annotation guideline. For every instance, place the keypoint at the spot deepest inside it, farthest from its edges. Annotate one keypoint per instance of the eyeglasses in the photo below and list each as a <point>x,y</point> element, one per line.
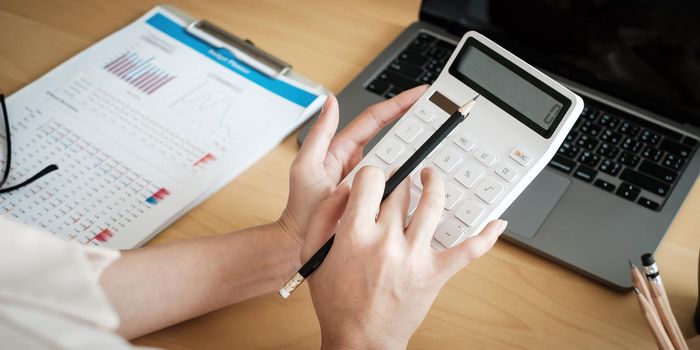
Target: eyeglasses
<point>8,147</point>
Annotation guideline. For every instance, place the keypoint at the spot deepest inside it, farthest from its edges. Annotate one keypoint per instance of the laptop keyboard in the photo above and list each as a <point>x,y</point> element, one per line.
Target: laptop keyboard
<point>614,151</point>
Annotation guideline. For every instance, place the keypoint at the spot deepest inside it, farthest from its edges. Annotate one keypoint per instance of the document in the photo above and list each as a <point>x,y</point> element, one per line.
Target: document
<point>143,126</point>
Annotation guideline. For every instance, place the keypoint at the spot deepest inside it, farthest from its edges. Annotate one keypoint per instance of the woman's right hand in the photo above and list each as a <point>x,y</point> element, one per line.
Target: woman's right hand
<point>381,277</point>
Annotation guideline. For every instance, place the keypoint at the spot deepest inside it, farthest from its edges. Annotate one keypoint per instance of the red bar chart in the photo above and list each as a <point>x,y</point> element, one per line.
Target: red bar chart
<point>138,71</point>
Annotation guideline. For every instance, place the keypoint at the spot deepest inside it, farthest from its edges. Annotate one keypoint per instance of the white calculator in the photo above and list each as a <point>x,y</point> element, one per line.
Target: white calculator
<point>512,132</point>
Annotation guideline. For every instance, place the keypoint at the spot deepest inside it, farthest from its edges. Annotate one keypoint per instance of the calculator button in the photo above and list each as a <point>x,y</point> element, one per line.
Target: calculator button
<point>424,113</point>
<point>408,131</point>
<point>452,195</point>
<point>449,232</point>
<point>437,123</point>
<point>519,156</point>
<point>489,190</point>
<point>389,151</point>
<point>468,174</point>
<point>464,142</point>
<point>448,159</point>
<point>421,138</point>
<point>469,212</point>
<point>485,157</point>
<point>506,172</point>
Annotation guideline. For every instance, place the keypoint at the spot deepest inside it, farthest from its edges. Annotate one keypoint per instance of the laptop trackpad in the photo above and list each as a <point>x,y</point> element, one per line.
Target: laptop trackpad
<point>528,212</point>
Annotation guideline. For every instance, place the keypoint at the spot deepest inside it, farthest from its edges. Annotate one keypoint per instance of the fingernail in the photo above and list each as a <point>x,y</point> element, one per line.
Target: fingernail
<point>502,226</point>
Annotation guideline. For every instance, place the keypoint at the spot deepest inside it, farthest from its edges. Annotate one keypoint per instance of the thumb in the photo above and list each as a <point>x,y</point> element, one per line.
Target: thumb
<point>473,248</point>
<point>324,221</point>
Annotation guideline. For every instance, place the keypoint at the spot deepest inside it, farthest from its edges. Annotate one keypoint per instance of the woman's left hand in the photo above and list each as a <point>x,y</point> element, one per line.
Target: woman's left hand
<point>325,159</point>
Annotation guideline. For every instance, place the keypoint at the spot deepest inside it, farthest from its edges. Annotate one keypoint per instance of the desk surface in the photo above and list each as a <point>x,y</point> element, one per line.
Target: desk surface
<point>508,299</point>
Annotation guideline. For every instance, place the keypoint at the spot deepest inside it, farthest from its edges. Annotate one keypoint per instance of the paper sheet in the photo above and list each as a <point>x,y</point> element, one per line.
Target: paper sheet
<point>143,125</point>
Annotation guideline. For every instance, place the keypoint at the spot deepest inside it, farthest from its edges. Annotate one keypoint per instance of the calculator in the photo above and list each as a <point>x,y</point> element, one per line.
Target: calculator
<point>519,121</point>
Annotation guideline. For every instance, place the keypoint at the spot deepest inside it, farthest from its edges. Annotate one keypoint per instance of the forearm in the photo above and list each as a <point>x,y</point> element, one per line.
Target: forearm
<point>155,287</point>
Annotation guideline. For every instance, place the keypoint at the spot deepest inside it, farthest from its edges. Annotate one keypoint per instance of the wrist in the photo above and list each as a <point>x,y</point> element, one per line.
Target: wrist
<point>351,340</point>
<point>290,228</point>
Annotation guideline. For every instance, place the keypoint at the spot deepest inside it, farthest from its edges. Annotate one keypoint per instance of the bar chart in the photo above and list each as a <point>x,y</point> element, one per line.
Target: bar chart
<point>139,71</point>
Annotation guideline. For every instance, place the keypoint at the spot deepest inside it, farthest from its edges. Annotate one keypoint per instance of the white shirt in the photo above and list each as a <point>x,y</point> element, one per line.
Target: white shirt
<point>50,295</point>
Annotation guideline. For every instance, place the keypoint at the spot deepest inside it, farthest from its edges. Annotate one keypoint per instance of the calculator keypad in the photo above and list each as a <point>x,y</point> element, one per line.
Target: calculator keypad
<point>475,177</point>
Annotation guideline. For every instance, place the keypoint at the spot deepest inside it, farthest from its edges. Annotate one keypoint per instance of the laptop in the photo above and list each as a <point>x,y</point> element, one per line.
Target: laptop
<point>622,174</point>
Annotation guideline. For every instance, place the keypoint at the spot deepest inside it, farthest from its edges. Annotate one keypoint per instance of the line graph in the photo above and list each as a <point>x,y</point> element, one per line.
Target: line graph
<point>212,104</point>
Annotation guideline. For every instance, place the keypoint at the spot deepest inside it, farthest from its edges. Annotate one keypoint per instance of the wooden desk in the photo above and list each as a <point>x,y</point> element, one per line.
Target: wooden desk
<point>508,299</point>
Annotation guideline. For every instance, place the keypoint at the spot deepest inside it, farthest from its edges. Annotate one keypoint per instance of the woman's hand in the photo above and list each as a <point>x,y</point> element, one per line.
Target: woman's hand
<point>381,277</point>
<point>324,160</point>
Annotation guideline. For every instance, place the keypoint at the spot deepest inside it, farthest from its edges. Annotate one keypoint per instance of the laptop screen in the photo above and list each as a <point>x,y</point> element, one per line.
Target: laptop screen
<point>644,52</point>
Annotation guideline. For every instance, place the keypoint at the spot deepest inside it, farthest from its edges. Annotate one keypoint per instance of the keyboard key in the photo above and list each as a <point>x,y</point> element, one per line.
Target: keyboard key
<point>652,153</point>
<point>646,202</point>
<point>589,158</point>
<point>489,190</point>
<point>607,150</point>
<point>468,174</point>
<point>585,173</point>
<point>689,141</point>
<point>587,141</point>
<point>464,142</point>
<point>589,113</point>
<point>610,136</point>
<point>408,130</point>
<point>589,128</point>
<point>569,150</point>
<point>657,171</point>
<point>571,136</point>
<point>469,212</point>
<point>414,57</point>
<point>389,151</point>
<point>422,42</point>
<point>610,167</point>
<point>646,182</point>
<point>434,66</point>
<point>628,159</point>
<point>428,77</point>
<point>506,172</point>
<point>608,121</point>
<point>604,185</point>
<point>675,148</point>
<point>628,129</point>
<point>406,69</point>
<point>437,52</point>
<point>452,195</point>
<point>397,80</point>
<point>378,87</point>
<point>486,158</point>
<point>450,232</point>
<point>562,164</point>
<point>628,191</point>
<point>424,112</point>
<point>631,145</point>
<point>447,159</point>
<point>520,156</point>
<point>393,92</point>
<point>674,162</point>
<point>649,137</point>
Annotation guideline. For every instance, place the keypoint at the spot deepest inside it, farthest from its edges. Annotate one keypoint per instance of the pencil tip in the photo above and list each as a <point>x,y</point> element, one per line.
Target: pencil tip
<point>475,97</point>
<point>631,264</point>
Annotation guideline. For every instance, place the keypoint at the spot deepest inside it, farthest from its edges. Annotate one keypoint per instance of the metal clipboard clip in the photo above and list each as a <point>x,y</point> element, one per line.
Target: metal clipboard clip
<point>243,50</point>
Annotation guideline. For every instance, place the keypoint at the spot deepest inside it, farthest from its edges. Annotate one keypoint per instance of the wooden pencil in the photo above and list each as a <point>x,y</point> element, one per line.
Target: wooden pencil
<point>663,307</point>
<point>657,329</point>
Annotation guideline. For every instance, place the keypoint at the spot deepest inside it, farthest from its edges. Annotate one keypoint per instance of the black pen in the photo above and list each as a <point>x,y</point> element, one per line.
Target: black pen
<point>406,169</point>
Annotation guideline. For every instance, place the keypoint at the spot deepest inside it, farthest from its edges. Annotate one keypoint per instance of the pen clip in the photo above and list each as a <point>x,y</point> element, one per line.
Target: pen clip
<point>243,50</point>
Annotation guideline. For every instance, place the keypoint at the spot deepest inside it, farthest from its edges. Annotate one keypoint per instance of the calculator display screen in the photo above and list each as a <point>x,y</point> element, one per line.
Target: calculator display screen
<point>510,87</point>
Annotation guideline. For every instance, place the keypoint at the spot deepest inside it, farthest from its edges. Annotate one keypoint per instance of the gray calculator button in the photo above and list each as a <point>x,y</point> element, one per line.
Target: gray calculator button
<point>489,190</point>
<point>468,174</point>
<point>485,157</point>
<point>447,159</point>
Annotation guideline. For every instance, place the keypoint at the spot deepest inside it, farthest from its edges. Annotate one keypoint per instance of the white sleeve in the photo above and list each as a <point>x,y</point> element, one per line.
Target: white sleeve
<point>50,295</point>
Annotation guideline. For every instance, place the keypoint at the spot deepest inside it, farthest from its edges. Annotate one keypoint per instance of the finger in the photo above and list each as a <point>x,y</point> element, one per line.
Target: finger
<point>351,140</point>
<point>473,248</point>
<point>365,198</point>
<point>325,220</point>
<point>316,144</point>
<point>429,210</point>
<point>394,208</point>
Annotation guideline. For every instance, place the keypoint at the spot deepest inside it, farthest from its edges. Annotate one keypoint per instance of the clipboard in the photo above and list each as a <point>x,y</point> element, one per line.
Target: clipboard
<point>243,49</point>
<point>146,124</point>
